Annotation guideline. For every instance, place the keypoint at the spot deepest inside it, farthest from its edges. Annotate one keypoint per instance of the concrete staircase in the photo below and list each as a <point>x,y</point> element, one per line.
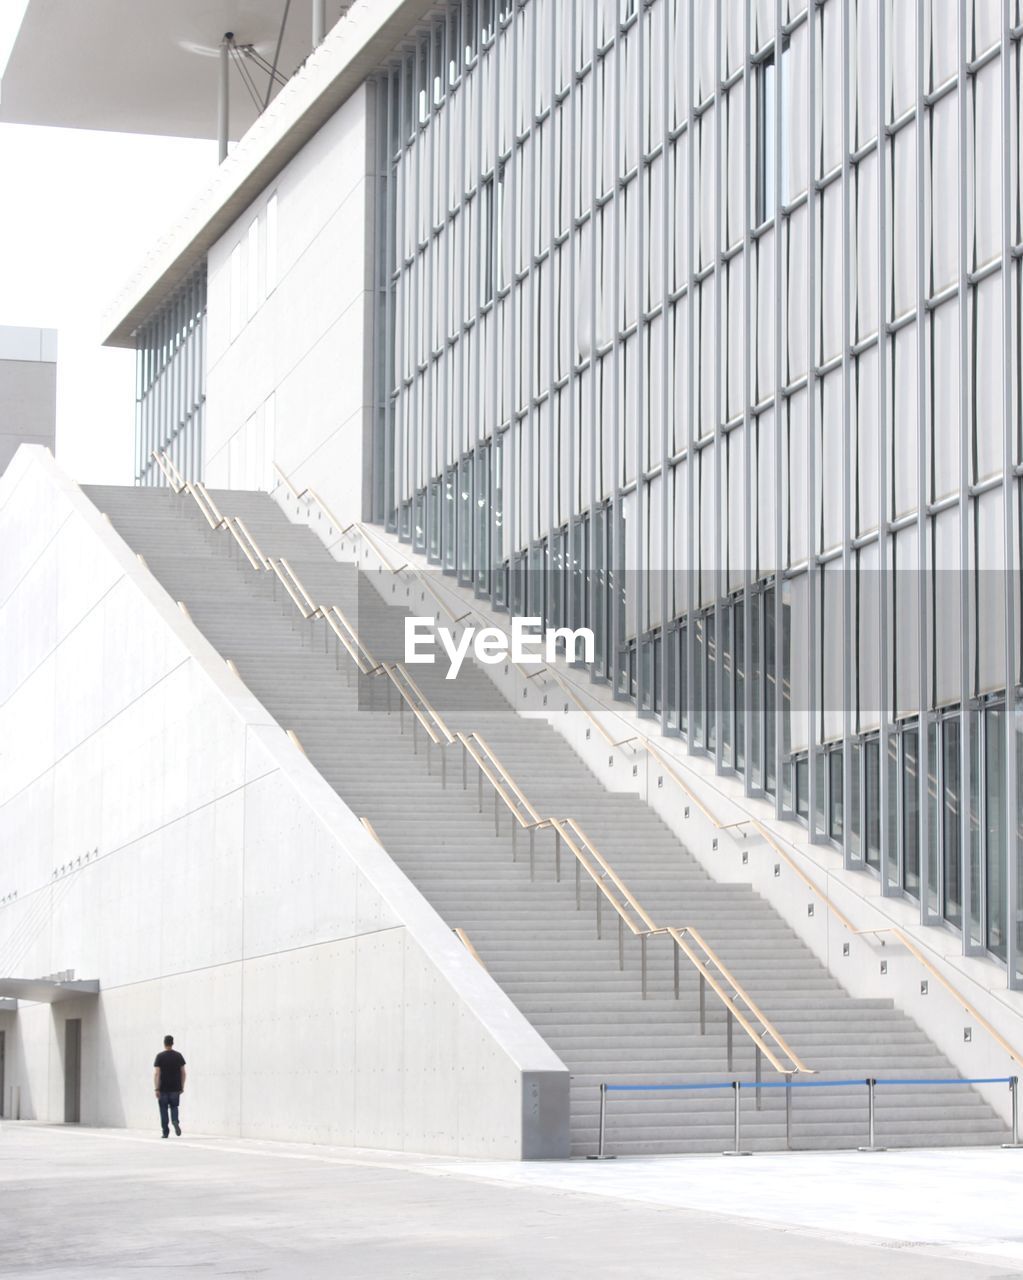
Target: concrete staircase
<point>534,941</point>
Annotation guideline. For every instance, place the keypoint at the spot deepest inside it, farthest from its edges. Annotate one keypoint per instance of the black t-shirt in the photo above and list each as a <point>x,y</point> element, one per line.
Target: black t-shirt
<point>170,1063</point>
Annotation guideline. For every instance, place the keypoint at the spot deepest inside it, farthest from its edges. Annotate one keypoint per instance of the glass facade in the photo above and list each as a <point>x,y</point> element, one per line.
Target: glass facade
<point>170,384</point>
<point>699,324</point>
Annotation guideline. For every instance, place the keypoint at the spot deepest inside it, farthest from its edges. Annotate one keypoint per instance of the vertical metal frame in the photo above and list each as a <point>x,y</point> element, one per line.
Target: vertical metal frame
<point>1014,854</point>
<point>970,852</point>
<point>170,383</point>
<point>779,428</point>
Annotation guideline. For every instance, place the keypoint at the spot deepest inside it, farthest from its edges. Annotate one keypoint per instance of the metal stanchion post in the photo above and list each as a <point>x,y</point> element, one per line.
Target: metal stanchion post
<point>532,853</point>
<point>642,950</point>
<point>601,1153</point>
<point>728,1037</point>
<point>758,1072</point>
<point>871,1144</point>
<point>738,1151</point>
<point>1014,1096</point>
<point>788,1111</point>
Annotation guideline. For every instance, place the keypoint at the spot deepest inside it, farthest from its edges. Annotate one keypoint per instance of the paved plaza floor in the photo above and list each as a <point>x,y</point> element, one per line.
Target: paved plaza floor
<point>113,1204</point>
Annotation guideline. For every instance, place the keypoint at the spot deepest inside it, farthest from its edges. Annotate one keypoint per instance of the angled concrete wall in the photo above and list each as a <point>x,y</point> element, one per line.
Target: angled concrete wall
<point>159,832</point>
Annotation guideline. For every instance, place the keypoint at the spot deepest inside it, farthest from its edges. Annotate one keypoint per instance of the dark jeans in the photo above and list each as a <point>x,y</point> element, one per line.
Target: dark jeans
<point>168,1102</point>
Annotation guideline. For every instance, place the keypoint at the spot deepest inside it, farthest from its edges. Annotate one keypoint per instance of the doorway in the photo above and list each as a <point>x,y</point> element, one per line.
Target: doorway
<point>72,1071</point>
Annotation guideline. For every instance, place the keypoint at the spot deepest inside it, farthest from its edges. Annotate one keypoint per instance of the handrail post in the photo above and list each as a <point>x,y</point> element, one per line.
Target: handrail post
<point>675,960</point>
<point>758,1073</point>
<point>598,895</point>
<point>728,1036</point>
<point>642,950</point>
<point>578,887</point>
<point>703,997</point>
<point>788,1111</point>
<point>465,779</point>
<point>871,1127</point>
<point>1014,1097</point>
<point>557,855</point>
<point>601,1131</point>
<point>737,1150</point>
<point>532,853</point>
<point>621,943</point>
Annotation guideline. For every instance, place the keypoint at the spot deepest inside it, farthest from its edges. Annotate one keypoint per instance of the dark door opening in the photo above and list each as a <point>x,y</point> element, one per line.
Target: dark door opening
<point>72,1071</point>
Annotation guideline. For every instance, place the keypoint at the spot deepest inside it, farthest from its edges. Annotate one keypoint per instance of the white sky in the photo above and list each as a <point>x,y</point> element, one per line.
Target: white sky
<point>78,213</point>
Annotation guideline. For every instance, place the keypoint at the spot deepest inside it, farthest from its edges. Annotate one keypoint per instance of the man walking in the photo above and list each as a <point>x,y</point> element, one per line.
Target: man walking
<point>169,1082</point>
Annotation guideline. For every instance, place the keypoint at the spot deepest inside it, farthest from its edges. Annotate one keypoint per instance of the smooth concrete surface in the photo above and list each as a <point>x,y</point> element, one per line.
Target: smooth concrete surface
<point>286,379</point>
<point>131,1203</point>
<point>352,52</point>
<point>161,834</point>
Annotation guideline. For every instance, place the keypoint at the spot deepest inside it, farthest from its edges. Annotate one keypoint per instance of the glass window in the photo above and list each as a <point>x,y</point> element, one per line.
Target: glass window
<point>872,802</point>
<point>911,812</point>
<point>836,797</point>
<point>995,836</point>
<point>765,169</point>
<point>951,822</point>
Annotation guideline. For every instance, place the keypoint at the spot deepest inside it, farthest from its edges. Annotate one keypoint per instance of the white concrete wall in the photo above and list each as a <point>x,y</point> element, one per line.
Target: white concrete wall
<point>160,833</point>
<point>286,373</point>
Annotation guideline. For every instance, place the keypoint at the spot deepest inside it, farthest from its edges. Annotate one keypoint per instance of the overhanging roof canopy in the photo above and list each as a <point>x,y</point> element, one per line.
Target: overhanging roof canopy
<point>46,990</point>
<point>352,51</point>
<point>142,66</point>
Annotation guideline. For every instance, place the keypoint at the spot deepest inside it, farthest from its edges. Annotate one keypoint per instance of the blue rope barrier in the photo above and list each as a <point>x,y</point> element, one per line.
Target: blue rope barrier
<point>954,1080</point>
<point>797,1084</point>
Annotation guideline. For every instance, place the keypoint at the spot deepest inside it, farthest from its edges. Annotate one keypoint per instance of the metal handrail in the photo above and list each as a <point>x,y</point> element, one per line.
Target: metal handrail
<point>248,543</point>
<point>1015,1054</point>
<point>293,586</point>
<point>398,669</point>
<point>560,825</point>
<point>680,936</point>
<point>902,937</point>
<point>567,830</point>
<point>175,480</point>
<point>500,780</point>
<point>349,638</point>
<point>203,500</point>
<point>466,942</point>
<point>505,786</point>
